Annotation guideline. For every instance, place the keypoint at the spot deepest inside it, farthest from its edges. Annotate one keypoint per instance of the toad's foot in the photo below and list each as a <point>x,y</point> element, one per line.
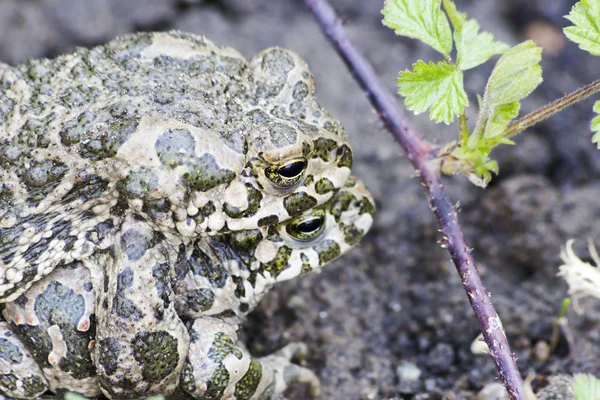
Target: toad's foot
<point>20,376</point>
<point>218,368</point>
<point>289,373</point>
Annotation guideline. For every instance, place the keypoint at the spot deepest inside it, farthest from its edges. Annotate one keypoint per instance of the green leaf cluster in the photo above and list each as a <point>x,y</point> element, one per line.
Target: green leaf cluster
<point>438,87</point>
<point>585,31</point>
<point>516,74</point>
<point>585,16</point>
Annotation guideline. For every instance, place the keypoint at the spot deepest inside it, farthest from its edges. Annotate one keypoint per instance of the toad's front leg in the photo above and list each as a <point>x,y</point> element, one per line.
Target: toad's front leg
<point>20,376</point>
<point>141,343</point>
<point>52,323</point>
<point>219,367</point>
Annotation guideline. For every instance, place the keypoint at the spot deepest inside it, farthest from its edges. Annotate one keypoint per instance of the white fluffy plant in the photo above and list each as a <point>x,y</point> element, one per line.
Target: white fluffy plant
<point>583,278</point>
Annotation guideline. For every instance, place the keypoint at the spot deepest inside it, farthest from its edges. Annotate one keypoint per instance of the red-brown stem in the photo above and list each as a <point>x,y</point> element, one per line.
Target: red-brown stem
<point>551,109</point>
<point>418,151</point>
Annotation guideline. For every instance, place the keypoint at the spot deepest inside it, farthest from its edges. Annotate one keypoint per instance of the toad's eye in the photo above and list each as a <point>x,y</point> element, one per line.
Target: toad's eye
<point>288,174</point>
<point>306,228</point>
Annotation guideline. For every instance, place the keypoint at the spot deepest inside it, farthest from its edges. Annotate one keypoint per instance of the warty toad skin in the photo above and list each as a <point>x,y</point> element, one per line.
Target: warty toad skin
<point>151,191</point>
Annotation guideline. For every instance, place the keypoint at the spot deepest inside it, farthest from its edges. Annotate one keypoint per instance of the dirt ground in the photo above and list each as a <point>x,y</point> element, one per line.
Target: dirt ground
<point>393,308</point>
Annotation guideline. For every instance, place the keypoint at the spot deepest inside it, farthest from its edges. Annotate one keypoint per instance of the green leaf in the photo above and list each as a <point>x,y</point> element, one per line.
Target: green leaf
<point>73,396</point>
<point>475,48</point>
<point>419,19</point>
<point>596,125</point>
<point>585,16</point>
<point>500,118</point>
<point>472,48</point>
<point>516,74</point>
<point>586,387</point>
<point>438,87</point>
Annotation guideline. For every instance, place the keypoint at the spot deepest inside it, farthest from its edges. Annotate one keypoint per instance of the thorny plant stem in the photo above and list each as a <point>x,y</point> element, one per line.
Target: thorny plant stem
<point>418,151</point>
<point>547,111</point>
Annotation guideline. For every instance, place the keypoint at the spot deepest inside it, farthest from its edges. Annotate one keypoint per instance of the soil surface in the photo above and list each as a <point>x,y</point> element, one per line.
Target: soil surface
<point>390,320</point>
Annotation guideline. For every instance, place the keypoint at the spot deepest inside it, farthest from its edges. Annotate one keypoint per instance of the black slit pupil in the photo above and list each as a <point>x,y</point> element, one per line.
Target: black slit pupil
<point>310,226</point>
<point>292,169</point>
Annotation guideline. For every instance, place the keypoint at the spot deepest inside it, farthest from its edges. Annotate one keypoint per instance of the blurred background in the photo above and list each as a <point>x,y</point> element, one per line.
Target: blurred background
<point>390,320</point>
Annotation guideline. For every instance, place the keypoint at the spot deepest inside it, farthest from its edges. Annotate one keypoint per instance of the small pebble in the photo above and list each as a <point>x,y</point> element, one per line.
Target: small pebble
<point>479,347</point>
<point>541,351</point>
<point>493,391</point>
<point>408,371</point>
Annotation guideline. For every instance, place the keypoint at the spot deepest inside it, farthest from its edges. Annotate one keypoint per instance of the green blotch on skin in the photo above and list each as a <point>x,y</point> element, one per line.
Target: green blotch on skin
<point>333,128</point>
<point>306,267</point>
<point>208,209</point>
<point>187,380</point>
<point>244,243</point>
<point>200,299</point>
<point>276,64</point>
<point>76,96</point>
<point>297,203</point>
<point>324,148</point>
<point>240,290</point>
<point>202,265</point>
<point>279,263</point>
<point>300,90</point>
<point>225,315</point>
<point>246,387</point>
<point>161,273</point>
<point>254,198</point>
<point>217,384</point>
<point>221,347</point>
<point>340,204</point>
<point>9,381</point>
<point>107,145</point>
<point>345,160</point>
<point>205,174</point>
<point>309,180</point>
<point>323,186</point>
<point>34,386</point>
<point>269,220</point>
<point>108,354</point>
<point>366,207</point>
<point>175,147</point>
<point>327,250</point>
<point>42,173</point>
<point>204,212</point>
<point>237,353</point>
<point>157,354</point>
<point>41,179</point>
<point>126,309</point>
<point>10,352</point>
<point>352,234</point>
<point>134,244</point>
<point>140,184</point>
<point>235,141</point>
